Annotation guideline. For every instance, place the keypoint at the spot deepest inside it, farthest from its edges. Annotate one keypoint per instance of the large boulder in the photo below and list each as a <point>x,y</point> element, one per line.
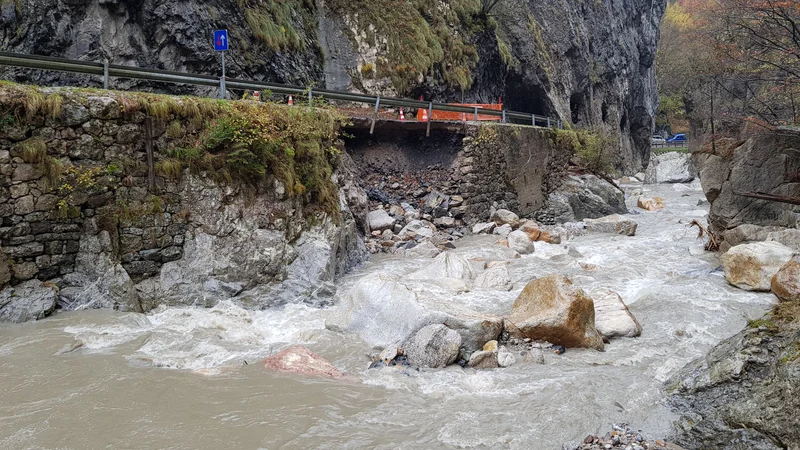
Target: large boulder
<point>786,283</point>
<point>752,266</point>
<point>380,220</point>
<point>554,310</point>
<point>765,162</point>
<point>483,359</point>
<point>611,315</point>
<point>582,197</point>
<point>446,265</point>
<point>384,311</point>
<point>433,346</point>
<point>650,204</point>
<point>30,300</point>
<point>505,217</point>
<point>300,360</point>
<point>672,167</point>
<point>424,250</point>
<point>520,242</point>
<point>612,224</point>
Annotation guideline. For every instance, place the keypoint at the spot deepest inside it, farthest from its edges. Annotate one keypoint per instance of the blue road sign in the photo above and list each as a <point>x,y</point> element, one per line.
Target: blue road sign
<point>221,40</point>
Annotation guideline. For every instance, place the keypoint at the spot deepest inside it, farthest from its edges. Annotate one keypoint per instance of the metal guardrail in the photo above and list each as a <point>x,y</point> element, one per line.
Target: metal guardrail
<point>107,71</point>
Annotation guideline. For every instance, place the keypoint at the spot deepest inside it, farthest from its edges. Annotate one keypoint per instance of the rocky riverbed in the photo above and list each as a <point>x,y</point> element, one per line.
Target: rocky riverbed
<point>72,375</point>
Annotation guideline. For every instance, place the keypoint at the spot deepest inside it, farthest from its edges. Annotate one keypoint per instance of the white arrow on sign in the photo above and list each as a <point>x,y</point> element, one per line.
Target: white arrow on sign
<point>222,38</point>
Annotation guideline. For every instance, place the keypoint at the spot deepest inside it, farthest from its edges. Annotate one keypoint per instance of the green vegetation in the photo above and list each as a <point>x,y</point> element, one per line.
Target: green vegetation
<point>414,37</point>
<point>275,23</point>
<point>34,151</point>
<point>509,60</point>
<point>765,322</point>
<point>253,143</point>
<point>594,149</point>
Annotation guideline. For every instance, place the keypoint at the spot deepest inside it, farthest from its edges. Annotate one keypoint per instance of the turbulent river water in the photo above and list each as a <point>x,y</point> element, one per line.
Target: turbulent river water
<point>177,378</point>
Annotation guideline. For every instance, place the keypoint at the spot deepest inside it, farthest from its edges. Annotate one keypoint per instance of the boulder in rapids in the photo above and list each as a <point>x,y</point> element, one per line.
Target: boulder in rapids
<point>446,265</point>
<point>424,250</point>
<point>612,224</point>
<point>786,283</point>
<point>671,167</point>
<point>494,278</point>
<point>752,266</point>
<point>650,204</point>
<point>300,360</point>
<point>505,217</point>
<point>384,311</point>
<point>612,317</point>
<point>434,346</point>
<point>503,230</point>
<point>520,242</point>
<point>505,358</point>
<point>554,310</point>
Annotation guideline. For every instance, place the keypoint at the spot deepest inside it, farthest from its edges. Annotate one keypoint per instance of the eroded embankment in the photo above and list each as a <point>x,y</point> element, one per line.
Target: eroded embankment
<point>130,200</point>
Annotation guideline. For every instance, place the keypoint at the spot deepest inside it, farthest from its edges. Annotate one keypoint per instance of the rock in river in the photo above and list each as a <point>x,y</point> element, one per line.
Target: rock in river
<point>612,224</point>
<point>433,346</point>
<point>554,310</point>
<point>446,265</point>
<point>505,217</point>
<point>752,266</point>
<point>612,317</point>
<point>299,359</point>
<point>520,242</point>
<point>384,311</point>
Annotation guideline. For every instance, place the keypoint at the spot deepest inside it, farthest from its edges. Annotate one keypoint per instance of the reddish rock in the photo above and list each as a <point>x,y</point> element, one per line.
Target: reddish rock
<point>298,359</point>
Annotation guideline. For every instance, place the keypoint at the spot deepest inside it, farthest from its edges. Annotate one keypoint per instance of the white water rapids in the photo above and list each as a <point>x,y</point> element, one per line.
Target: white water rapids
<point>176,378</point>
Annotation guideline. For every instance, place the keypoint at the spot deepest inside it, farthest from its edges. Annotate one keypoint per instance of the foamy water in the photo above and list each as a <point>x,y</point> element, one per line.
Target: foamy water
<point>189,378</point>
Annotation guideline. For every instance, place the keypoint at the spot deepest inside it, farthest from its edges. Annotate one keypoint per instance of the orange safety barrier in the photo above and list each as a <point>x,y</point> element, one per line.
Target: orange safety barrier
<point>422,114</point>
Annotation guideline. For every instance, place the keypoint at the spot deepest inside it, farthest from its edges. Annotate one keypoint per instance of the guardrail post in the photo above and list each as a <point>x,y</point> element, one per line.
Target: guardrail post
<point>533,120</point>
<point>504,116</point>
<point>476,114</point>
<point>430,119</point>
<point>310,96</point>
<point>548,122</point>
<point>105,73</point>
<point>375,115</point>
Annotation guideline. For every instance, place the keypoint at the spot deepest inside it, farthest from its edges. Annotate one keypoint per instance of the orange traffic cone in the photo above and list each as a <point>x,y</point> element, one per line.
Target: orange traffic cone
<point>424,115</point>
<point>402,116</point>
<point>291,101</point>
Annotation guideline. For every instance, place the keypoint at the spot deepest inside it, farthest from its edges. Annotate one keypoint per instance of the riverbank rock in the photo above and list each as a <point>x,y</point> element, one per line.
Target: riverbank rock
<point>520,242</point>
<point>380,220</point>
<point>30,300</point>
<point>483,227</point>
<point>423,250</point>
<point>383,311</point>
<point>671,167</point>
<point>612,224</point>
<point>446,265</point>
<point>433,346</point>
<point>766,161</point>
<point>752,266</point>
<point>416,229</point>
<point>622,437</point>
<point>483,359</point>
<point>786,283</point>
<point>300,360</point>
<point>554,310</point>
<point>650,204</point>
<point>582,197</point>
<point>505,217</point>
<point>744,392</point>
<point>611,315</point>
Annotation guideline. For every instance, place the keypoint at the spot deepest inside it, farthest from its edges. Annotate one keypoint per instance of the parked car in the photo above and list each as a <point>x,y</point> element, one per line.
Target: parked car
<point>680,137</point>
<point>657,140</point>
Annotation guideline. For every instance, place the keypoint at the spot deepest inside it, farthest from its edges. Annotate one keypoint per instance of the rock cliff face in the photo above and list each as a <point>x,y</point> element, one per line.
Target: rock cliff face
<point>589,63</point>
<point>768,163</point>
